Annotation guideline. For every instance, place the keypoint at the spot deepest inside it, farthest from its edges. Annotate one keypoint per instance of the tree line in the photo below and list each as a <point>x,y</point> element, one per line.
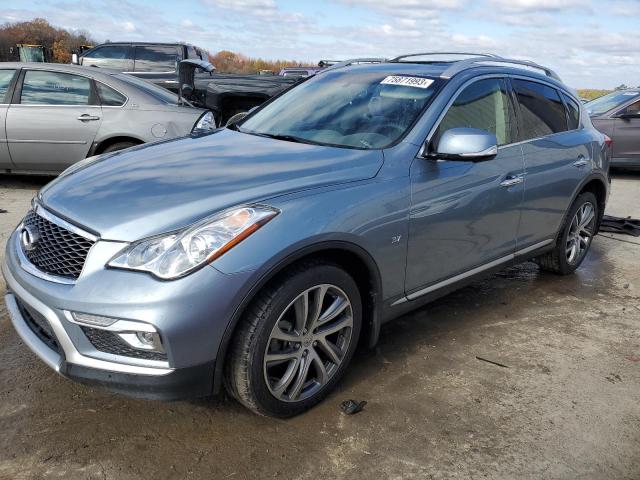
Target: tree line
<point>59,43</point>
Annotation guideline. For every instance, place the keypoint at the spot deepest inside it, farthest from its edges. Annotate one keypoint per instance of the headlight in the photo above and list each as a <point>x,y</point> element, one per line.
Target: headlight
<point>205,122</point>
<point>180,253</point>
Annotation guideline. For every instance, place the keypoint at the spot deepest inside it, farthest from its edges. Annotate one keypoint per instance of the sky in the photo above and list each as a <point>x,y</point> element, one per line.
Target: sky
<point>590,43</point>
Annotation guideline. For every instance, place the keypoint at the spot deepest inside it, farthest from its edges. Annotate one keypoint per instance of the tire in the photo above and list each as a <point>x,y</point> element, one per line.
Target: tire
<point>236,118</point>
<point>118,146</point>
<point>561,260</point>
<point>273,387</point>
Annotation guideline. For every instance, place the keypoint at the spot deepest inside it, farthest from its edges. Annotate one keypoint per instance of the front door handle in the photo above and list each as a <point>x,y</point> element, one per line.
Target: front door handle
<point>512,181</point>
<point>86,117</point>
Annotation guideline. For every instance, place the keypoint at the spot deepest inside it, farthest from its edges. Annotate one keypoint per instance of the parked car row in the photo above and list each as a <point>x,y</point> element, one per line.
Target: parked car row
<point>224,94</point>
<point>53,115</point>
<point>258,256</point>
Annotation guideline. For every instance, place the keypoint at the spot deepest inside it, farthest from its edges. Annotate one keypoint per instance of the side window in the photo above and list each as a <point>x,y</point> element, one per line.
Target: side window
<point>192,52</point>
<point>634,109</point>
<point>156,59</point>
<point>573,111</point>
<point>109,97</point>
<point>541,110</point>
<point>55,88</point>
<point>117,57</point>
<point>5,81</point>
<point>483,105</point>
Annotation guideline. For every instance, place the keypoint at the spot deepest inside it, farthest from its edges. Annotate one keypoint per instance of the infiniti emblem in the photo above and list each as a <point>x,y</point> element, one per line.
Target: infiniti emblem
<point>29,237</point>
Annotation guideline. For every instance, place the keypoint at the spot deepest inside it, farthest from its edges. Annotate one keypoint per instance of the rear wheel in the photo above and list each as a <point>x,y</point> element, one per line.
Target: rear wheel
<point>295,341</point>
<point>575,237</point>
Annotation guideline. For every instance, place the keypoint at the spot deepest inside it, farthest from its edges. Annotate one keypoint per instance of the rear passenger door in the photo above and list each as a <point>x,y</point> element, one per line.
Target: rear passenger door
<point>556,154</point>
<point>52,121</point>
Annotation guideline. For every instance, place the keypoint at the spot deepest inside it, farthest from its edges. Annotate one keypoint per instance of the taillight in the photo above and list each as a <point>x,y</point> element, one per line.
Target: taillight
<point>607,141</point>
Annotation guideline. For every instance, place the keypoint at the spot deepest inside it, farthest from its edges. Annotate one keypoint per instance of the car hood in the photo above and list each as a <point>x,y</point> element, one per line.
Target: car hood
<point>161,187</point>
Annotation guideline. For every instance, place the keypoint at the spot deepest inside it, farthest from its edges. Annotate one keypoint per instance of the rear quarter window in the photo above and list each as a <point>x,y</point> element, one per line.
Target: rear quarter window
<point>541,109</point>
<point>573,112</point>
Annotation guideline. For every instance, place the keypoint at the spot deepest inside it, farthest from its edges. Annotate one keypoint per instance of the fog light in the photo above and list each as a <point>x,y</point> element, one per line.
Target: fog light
<point>149,341</point>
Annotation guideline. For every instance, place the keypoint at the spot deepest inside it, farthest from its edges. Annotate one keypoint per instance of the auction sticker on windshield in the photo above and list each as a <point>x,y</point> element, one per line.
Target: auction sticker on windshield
<point>418,82</point>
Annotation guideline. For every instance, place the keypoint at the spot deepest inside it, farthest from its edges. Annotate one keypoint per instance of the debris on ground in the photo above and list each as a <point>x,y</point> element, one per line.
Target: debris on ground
<point>3,211</point>
<point>628,225</point>
<point>492,362</point>
<point>351,407</point>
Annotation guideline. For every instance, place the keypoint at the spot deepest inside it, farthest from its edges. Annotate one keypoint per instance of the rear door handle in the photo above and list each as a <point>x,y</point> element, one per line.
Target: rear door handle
<point>512,181</point>
<point>86,117</point>
<point>581,162</point>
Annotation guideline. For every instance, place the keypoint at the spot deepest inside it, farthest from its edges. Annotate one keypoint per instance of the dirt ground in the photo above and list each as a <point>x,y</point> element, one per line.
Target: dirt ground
<point>567,406</point>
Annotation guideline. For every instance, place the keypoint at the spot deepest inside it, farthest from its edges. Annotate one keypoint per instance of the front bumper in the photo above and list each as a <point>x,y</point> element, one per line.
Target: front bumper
<point>190,314</point>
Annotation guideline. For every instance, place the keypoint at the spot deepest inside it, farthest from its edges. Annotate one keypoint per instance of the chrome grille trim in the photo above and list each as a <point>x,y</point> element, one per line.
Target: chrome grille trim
<point>46,214</point>
<point>62,255</point>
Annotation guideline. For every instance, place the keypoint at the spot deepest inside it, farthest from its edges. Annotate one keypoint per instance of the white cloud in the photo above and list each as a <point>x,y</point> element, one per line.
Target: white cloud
<point>522,6</point>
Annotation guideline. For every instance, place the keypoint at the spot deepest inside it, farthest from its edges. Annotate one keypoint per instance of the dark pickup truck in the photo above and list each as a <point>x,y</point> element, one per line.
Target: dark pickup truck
<point>224,94</point>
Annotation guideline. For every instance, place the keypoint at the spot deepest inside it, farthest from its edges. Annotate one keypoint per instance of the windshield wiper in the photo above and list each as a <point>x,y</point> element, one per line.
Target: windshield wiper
<point>286,138</point>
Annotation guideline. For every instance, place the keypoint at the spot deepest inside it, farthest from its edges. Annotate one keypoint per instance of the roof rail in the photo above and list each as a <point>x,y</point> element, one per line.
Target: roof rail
<point>429,54</point>
<point>461,65</point>
<point>353,61</point>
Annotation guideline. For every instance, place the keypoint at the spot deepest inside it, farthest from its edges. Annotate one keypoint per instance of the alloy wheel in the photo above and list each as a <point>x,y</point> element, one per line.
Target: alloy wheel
<point>308,343</point>
<point>580,233</point>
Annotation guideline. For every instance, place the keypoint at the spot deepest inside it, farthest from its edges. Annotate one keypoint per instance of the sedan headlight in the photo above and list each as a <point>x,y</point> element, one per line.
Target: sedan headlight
<point>205,123</point>
<point>179,253</point>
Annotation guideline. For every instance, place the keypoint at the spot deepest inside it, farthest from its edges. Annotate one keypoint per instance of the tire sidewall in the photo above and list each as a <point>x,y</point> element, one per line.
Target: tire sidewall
<point>295,285</point>
<point>583,198</point>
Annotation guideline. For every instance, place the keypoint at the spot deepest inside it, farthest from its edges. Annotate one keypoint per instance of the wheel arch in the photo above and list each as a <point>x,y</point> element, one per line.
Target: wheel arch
<point>100,146</point>
<point>598,185</point>
<point>354,259</point>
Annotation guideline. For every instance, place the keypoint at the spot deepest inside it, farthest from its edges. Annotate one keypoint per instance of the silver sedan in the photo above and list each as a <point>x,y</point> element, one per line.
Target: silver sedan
<point>52,116</point>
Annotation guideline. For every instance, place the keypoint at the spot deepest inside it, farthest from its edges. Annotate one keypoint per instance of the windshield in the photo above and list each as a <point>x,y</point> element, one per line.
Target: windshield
<point>161,94</point>
<point>345,108</point>
<point>608,102</point>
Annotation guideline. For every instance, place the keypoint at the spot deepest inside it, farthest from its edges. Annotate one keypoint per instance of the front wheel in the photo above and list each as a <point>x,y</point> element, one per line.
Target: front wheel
<point>295,341</point>
<point>575,237</point>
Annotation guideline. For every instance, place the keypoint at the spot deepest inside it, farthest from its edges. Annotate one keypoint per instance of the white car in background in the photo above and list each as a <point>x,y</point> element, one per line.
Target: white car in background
<point>52,116</point>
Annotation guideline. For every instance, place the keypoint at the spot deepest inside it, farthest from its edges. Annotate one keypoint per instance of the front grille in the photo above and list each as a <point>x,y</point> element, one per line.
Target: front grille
<point>109,342</point>
<point>58,251</point>
<point>39,325</point>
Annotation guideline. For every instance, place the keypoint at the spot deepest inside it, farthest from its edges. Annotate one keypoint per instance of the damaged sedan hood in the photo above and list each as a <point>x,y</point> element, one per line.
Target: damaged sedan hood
<point>161,187</point>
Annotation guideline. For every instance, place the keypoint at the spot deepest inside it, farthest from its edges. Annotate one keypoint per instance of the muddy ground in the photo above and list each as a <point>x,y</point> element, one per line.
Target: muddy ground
<point>567,406</point>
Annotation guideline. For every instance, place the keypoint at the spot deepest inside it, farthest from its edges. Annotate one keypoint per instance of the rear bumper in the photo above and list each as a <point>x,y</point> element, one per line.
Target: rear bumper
<point>631,163</point>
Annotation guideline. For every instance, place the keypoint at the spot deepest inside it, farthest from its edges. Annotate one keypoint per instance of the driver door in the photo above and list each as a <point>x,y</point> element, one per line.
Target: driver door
<point>464,214</point>
<point>626,134</point>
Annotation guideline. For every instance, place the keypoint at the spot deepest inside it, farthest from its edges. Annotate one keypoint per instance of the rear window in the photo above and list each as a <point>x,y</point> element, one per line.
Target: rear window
<point>156,59</point>
<point>109,97</point>
<point>161,94</point>
<point>541,109</point>
<point>573,112</point>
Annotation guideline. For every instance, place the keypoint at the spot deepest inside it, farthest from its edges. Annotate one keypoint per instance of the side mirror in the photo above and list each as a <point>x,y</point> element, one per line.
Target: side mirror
<point>628,115</point>
<point>466,144</point>
<point>74,59</point>
<point>187,90</point>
